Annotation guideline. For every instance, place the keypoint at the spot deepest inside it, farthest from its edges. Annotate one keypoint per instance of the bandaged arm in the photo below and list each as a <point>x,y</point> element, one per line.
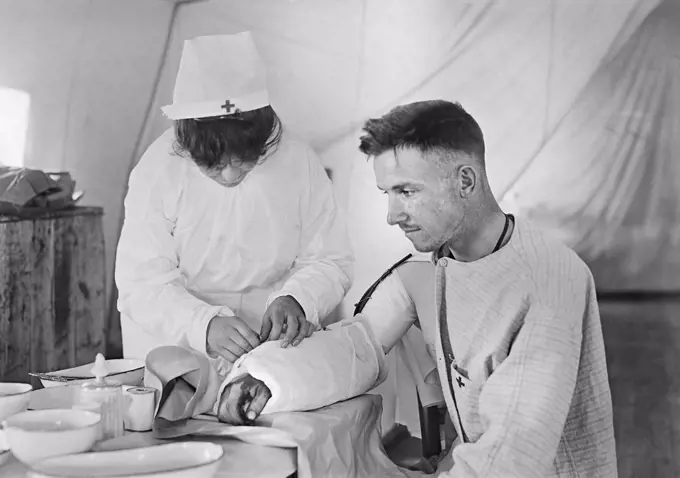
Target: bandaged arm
<point>341,362</point>
<point>390,312</point>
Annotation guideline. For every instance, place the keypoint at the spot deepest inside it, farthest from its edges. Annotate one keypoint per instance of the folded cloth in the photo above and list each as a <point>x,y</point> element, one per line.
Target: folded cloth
<point>188,386</point>
<point>342,439</point>
<point>337,363</point>
<point>18,186</point>
<point>26,191</point>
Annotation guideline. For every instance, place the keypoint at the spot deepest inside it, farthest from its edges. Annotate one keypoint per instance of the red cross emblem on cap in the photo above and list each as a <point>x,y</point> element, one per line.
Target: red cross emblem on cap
<point>228,106</point>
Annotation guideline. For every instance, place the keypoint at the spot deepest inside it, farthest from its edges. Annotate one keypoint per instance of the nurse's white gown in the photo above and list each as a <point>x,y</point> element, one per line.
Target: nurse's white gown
<point>191,249</point>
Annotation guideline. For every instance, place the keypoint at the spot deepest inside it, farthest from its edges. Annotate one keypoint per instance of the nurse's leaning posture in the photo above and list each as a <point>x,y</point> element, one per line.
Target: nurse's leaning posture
<point>231,233</point>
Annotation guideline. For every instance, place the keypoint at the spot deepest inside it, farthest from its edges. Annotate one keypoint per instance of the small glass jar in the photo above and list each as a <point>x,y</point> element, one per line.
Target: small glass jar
<point>109,396</point>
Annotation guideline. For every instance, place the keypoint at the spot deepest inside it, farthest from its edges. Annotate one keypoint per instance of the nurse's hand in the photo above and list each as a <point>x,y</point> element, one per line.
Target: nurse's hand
<point>242,401</point>
<point>285,313</point>
<point>230,337</point>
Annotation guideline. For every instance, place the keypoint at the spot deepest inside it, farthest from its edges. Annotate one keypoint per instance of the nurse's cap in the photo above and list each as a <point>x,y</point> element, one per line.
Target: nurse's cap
<point>218,76</point>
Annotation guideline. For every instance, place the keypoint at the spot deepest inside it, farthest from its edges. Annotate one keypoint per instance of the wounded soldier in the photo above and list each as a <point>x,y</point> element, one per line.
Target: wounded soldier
<point>515,331</point>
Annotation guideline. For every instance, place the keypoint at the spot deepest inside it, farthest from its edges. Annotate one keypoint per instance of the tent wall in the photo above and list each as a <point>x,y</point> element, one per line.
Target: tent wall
<point>517,70</point>
<point>332,64</point>
<point>89,67</point>
<point>607,179</point>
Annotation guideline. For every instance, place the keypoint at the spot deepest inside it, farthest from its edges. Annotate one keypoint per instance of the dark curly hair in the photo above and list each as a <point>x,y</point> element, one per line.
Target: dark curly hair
<point>212,143</point>
<point>427,126</point>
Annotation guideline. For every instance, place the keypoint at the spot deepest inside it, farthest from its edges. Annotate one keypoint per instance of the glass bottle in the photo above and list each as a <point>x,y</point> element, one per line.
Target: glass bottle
<point>108,395</point>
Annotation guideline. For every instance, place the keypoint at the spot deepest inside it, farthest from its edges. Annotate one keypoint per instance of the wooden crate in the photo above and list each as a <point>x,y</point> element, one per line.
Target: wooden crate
<point>52,292</point>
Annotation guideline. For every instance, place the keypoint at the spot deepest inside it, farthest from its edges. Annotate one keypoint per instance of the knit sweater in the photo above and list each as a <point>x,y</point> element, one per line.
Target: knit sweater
<point>529,376</point>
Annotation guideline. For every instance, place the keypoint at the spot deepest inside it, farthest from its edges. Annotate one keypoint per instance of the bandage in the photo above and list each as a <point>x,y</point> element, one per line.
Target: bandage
<point>332,365</point>
<point>140,404</point>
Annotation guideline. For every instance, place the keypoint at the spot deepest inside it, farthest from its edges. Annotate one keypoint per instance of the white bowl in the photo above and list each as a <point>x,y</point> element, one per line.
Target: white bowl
<point>123,371</point>
<point>174,460</point>
<point>14,398</point>
<point>38,434</point>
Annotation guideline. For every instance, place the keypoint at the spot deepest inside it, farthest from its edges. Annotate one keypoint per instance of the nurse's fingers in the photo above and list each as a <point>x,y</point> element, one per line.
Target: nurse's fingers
<point>266,328</point>
<point>303,332</point>
<point>241,341</point>
<point>232,346</point>
<point>247,333</point>
<point>293,323</point>
<point>261,396</point>
<point>226,354</point>
<point>277,318</point>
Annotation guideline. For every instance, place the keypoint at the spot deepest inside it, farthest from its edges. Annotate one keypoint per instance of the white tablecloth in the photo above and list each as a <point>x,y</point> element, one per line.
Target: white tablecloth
<point>240,459</point>
<point>326,439</point>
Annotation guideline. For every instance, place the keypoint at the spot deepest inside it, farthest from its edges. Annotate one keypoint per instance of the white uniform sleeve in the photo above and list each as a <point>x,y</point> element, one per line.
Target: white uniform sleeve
<point>324,267</point>
<point>150,284</point>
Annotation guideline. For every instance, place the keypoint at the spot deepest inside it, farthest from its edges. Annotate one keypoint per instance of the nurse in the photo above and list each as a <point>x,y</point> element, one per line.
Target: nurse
<point>232,236</point>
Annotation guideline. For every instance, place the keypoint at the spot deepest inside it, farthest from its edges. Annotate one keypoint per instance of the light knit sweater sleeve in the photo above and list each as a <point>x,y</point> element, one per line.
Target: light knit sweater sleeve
<point>390,312</point>
<point>524,404</point>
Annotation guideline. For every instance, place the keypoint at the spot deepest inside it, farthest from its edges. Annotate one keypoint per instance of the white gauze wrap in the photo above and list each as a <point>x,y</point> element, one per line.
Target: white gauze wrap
<point>332,365</point>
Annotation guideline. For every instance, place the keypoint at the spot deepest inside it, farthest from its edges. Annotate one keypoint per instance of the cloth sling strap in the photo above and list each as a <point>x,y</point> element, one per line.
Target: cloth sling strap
<point>449,358</point>
<point>359,306</point>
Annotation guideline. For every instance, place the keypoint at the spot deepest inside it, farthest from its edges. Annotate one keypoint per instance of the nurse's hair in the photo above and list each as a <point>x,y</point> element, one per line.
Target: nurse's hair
<point>213,143</point>
<point>435,126</point>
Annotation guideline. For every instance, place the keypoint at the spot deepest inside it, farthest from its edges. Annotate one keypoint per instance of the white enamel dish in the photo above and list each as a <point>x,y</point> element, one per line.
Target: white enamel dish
<point>123,371</point>
<point>174,460</point>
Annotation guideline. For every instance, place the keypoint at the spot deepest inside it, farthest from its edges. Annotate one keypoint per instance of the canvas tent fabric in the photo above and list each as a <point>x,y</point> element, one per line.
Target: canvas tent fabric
<point>607,179</point>
<point>519,68</point>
